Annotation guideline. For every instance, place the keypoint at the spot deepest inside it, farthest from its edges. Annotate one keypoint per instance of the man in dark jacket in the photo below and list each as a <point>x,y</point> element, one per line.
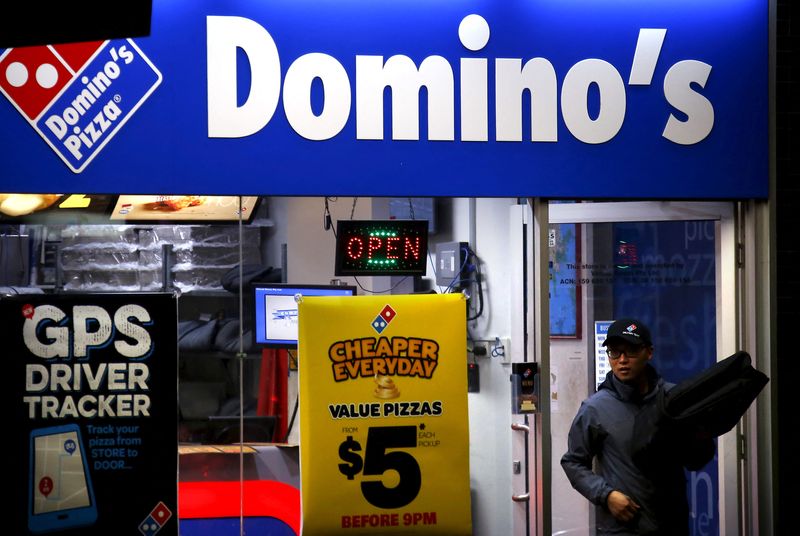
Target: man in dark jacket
<point>634,495</point>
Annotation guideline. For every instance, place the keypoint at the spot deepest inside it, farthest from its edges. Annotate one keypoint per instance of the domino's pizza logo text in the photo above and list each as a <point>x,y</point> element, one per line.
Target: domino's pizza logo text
<point>78,95</point>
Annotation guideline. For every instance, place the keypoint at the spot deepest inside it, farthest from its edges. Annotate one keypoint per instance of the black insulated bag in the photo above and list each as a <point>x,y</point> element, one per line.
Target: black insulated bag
<point>714,400</point>
<point>683,421</point>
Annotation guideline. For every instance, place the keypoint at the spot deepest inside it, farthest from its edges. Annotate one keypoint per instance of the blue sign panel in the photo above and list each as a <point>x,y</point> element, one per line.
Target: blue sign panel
<point>552,98</point>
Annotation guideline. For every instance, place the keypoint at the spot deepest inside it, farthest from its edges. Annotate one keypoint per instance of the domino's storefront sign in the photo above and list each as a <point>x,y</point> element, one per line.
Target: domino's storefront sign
<point>77,96</point>
<point>657,100</point>
<point>682,88</point>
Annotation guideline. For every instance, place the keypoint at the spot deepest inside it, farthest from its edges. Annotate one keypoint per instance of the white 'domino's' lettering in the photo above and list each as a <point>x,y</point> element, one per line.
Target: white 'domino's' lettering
<point>88,135</point>
<point>226,119</point>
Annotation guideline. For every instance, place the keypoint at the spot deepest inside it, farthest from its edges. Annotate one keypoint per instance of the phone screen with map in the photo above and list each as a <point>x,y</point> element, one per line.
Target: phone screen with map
<point>61,493</point>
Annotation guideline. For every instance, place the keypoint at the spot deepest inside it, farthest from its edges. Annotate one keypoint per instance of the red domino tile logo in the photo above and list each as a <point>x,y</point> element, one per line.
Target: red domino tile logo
<point>77,96</point>
<point>161,513</point>
<point>32,77</point>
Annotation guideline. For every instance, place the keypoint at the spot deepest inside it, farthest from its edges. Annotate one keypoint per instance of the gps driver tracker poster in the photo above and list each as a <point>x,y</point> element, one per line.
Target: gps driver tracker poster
<point>93,406</point>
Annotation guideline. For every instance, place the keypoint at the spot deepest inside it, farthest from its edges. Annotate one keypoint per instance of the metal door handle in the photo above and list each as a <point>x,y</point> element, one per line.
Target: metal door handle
<point>520,427</point>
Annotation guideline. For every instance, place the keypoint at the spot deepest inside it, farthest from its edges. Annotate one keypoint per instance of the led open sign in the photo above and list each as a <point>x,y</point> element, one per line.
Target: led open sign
<point>381,247</point>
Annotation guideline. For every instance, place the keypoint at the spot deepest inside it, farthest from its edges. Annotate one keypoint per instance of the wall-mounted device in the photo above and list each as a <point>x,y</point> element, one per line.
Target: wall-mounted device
<point>524,388</point>
<point>451,260</point>
<point>473,378</point>
<point>381,247</point>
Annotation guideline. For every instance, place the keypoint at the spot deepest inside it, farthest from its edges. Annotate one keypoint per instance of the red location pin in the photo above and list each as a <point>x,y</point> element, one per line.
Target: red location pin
<point>46,485</point>
<point>27,311</point>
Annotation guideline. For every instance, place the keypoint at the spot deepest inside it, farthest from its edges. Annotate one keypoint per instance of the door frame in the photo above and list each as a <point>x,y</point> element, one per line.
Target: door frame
<point>735,499</point>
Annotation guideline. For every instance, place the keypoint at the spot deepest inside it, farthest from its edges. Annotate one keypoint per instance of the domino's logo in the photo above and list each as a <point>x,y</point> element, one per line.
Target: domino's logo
<point>78,95</point>
<point>383,319</point>
<point>156,520</point>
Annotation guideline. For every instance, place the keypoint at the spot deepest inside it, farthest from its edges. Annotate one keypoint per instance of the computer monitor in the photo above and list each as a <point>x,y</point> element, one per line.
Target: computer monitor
<point>276,310</point>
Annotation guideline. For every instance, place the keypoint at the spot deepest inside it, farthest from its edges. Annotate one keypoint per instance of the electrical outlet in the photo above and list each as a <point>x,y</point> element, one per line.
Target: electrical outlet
<point>480,348</point>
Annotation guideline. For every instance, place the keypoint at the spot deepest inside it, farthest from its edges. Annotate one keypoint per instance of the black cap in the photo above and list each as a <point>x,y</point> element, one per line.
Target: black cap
<point>629,330</point>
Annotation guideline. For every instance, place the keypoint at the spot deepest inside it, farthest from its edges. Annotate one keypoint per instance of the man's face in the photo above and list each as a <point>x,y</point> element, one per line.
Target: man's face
<point>628,360</point>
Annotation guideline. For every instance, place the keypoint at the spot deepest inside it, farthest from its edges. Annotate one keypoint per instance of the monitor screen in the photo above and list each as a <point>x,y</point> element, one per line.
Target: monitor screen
<point>276,310</point>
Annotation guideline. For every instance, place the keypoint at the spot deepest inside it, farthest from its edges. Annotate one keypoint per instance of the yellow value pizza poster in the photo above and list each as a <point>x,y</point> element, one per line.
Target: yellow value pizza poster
<point>384,437</point>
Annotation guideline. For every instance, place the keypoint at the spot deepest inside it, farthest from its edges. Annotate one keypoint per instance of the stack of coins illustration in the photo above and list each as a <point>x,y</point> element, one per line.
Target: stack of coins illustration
<point>386,388</point>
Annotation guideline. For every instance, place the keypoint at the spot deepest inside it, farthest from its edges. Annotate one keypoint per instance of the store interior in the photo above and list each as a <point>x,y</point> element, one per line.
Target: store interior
<point>237,390</point>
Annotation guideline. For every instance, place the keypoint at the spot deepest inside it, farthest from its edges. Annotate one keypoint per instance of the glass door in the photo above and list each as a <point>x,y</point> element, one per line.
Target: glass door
<point>670,266</point>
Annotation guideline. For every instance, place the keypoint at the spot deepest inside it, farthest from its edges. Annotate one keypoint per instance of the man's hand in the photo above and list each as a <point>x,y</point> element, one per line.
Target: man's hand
<point>622,507</point>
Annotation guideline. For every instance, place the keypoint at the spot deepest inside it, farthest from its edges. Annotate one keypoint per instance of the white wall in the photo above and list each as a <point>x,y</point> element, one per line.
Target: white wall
<point>275,236</point>
<point>311,250</point>
<point>490,409</point>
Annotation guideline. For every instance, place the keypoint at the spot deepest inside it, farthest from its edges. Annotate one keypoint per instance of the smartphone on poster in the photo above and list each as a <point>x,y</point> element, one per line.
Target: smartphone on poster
<point>61,494</point>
